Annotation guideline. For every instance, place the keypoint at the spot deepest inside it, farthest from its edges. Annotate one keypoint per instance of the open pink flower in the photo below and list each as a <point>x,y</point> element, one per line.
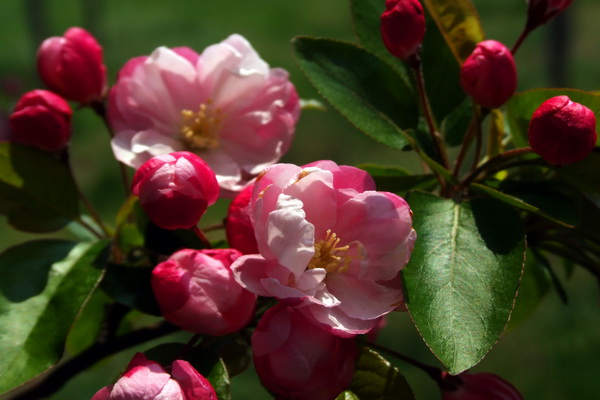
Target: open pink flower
<point>147,380</point>
<point>329,244</point>
<point>225,105</point>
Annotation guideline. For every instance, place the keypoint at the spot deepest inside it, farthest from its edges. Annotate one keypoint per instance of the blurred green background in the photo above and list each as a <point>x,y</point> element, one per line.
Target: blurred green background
<point>552,355</point>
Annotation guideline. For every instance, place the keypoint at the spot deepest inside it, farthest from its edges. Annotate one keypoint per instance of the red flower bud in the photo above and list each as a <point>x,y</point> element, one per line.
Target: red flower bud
<point>238,228</point>
<point>72,66</point>
<point>297,360</point>
<point>190,288</point>
<point>146,379</point>
<point>41,119</point>
<point>541,11</point>
<point>478,386</point>
<point>175,189</point>
<point>403,27</point>
<point>489,74</point>
<point>562,131</point>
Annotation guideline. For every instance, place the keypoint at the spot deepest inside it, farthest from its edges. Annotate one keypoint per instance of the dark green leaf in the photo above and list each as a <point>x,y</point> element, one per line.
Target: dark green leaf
<point>85,330</point>
<point>521,106</point>
<point>363,88</point>
<point>584,176</point>
<point>398,180</point>
<point>376,379</point>
<point>366,16</point>
<point>131,286</point>
<point>519,203</point>
<point>456,123</point>
<point>463,275</point>
<point>37,191</point>
<point>43,288</point>
<point>459,23</point>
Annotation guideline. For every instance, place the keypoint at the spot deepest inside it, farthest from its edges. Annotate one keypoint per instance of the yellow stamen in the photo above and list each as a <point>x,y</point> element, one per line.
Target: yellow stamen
<point>329,256</point>
<point>200,129</point>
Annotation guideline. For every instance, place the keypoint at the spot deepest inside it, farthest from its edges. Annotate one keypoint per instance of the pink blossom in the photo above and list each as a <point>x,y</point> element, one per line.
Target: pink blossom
<point>478,386</point>
<point>329,244</point>
<point>541,11</point>
<point>41,119</point>
<point>72,66</point>
<point>299,361</point>
<point>197,292</point>
<point>175,189</point>
<point>225,104</point>
<point>147,380</point>
<point>238,226</point>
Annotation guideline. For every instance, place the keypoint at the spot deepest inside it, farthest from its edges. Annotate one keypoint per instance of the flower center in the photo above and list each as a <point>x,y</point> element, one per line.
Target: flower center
<point>200,129</point>
<point>329,256</point>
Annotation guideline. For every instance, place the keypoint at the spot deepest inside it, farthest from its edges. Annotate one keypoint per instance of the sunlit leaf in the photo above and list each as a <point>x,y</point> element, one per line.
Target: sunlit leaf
<point>44,286</point>
<point>459,23</point>
<point>37,191</point>
<point>463,275</point>
<point>363,88</point>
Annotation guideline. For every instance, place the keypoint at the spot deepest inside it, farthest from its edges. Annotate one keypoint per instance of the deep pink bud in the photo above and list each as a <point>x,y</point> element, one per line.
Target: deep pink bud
<point>239,229</point>
<point>72,66</point>
<point>403,27</point>
<point>296,360</point>
<point>147,380</point>
<point>175,189</point>
<point>562,131</point>
<point>41,119</point>
<point>478,386</point>
<point>541,11</point>
<point>489,74</point>
<point>196,291</point>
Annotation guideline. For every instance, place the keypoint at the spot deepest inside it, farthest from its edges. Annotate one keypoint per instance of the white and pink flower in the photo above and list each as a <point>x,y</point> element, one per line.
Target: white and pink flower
<point>329,245</point>
<point>225,105</point>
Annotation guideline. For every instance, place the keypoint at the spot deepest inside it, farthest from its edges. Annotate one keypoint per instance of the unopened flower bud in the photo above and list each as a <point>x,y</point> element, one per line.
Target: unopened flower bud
<point>147,380</point>
<point>196,291</point>
<point>238,226</point>
<point>489,74</point>
<point>403,27</point>
<point>478,386</point>
<point>41,119</point>
<point>175,189</point>
<point>297,360</point>
<point>72,66</point>
<point>541,11</point>
<point>562,131</point>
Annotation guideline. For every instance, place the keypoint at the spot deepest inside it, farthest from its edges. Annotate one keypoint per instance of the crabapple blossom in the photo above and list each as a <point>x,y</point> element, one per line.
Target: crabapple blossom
<point>489,74</point>
<point>403,27</point>
<point>329,244</point>
<point>196,291</point>
<point>41,119</point>
<point>147,380</point>
<point>225,104</point>
<point>562,131</point>
<point>175,189</point>
<point>238,226</point>
<point>299,361</point>
<point>541,11</point>
<point>72,66</point>
<point>478,386</point>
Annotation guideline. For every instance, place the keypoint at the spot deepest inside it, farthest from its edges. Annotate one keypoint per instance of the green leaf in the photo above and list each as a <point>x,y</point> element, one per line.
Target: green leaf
<point>363,88</point>
<point>463,275</point>
<point>459,23</point>
<point>37,191</point>
<point>398,180</point>
<point>366,18</point>
<point>521,106</point>
<point>44,286</point>
<point>88,325</point>
<point>204,360</point>
<point>131,286</point>
<point>455,124</point>
<point>376,379</point>
<point>584,176</point>
<point>517,202</point>
<point>347,395</point>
